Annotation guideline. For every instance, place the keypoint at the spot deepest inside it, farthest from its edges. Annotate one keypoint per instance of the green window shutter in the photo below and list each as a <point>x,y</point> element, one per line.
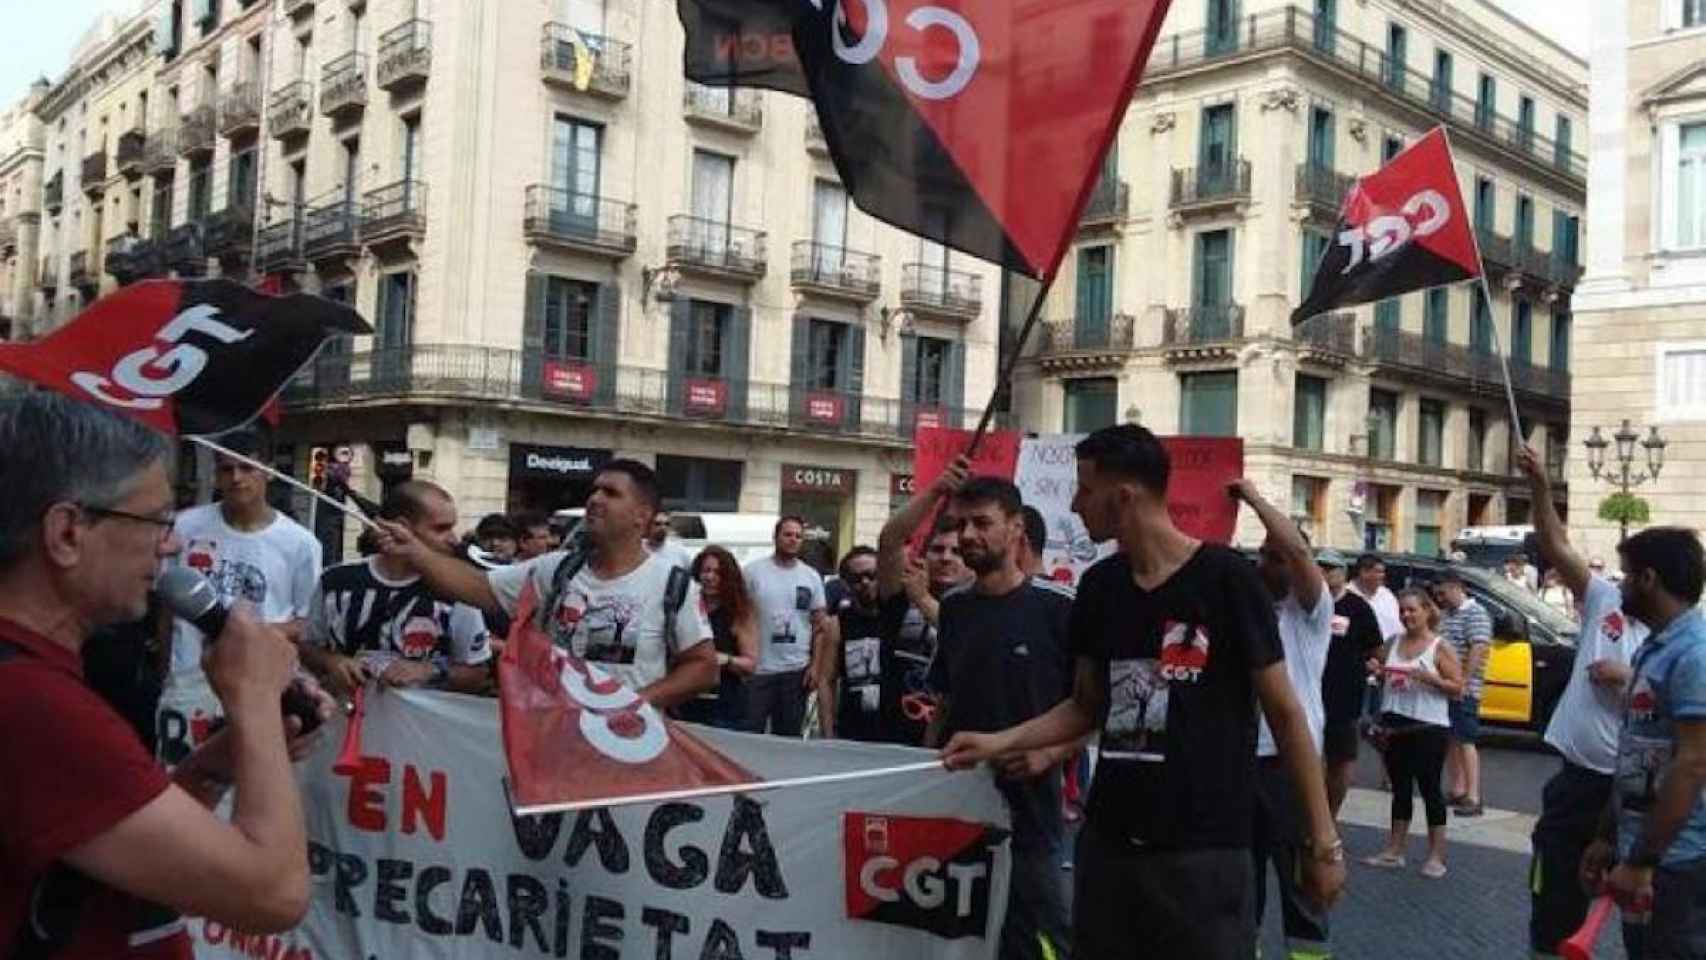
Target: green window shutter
<point>680,320</point>
<point>908,382</point>
<point>853,380</point>
<point>737,359</point>
<point>800,366</point>
<point>606,340</point>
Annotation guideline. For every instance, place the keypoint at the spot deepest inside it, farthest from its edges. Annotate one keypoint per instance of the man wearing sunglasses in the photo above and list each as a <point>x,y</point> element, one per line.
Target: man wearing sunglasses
<point>248,551</point>
<point>96,837</point>
<point>854,676</point>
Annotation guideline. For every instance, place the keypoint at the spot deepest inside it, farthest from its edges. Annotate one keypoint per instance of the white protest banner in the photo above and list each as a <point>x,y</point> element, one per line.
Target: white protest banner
<point>417,855</point>
<point>1047,477</point>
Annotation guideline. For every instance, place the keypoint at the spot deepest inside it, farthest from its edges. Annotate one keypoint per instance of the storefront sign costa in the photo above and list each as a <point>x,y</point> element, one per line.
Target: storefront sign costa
<point>803,479</point>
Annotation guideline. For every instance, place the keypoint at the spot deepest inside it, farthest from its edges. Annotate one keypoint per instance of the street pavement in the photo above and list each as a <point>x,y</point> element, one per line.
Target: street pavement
<point>1478,910</point>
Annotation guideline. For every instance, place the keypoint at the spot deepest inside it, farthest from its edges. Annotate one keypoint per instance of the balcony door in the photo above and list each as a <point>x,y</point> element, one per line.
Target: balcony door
<point>1211,292</point>
<point>575,170</point>
<point>1321,136</point>
<point>1222,32</point>
<point>713,200</point>
<point>1218,145</point>
<point>1326,25</point>
<point>1095,297</point>
<point>829,229</point>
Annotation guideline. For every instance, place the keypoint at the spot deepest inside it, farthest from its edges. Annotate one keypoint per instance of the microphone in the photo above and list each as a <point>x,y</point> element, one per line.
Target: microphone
<point>190,596</point>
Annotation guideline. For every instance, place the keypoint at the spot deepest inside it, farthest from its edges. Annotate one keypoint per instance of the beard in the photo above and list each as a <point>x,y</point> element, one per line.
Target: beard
<point>984,560</point>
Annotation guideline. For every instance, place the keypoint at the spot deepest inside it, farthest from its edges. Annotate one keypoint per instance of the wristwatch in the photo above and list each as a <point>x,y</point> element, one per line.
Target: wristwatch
<point>1333,852</point>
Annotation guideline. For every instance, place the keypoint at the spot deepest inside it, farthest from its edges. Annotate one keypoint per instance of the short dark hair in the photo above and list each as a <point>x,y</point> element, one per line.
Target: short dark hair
<point>994,490</point>
<point>852,555</point>
<point>1369,561</point>
<point>787,519</point>
<point>247,441</point>
<point>644,479</point>
<point>944,523</point>
<point>528,520</point>
<point>1448,575</point>
<point>407,501</point>
<point>1036,529</point>
<point>1673,554</point>
<point>1132,452</point>
<point>495,525</point>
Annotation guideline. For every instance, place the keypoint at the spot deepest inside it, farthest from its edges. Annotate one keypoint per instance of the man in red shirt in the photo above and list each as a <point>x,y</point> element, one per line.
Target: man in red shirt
<point>95,837</point>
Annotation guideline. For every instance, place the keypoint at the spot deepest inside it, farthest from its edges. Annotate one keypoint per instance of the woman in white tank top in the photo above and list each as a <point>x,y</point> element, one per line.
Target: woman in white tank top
<point>1420,676</point>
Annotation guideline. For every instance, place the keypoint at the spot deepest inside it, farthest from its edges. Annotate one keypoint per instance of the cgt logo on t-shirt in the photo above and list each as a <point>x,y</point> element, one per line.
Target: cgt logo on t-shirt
<point>420,637</point>
<point>926,873</point>
<point>1184,651</point>
<point>1642,703</point>
<point>1611,626</point>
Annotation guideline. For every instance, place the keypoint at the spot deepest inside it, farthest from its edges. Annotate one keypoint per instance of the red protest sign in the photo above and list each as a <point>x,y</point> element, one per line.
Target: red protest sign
<point>936,447</point>
<point>1196,494</point>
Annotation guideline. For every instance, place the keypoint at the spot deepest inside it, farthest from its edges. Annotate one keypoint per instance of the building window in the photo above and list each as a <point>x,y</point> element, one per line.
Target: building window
<point>1477,453</point>
<point>1315,244</point>
<point>1486,204</point>
<point>1091,404</point>
<point>1486,101</point>
<point>396,311</point>
<point>1309,414</point>
<point>1441,91</point>
<point>1222,20</point>
<point>713,188</point>
<point>1321,138</point>
<point>1382,424</point>
<point>1524,222</point>
<point>930,374</point>
<point>1218,145</point>
<point>1525,122</point>
<point>160,217</point>
<point>1095,292</point>
<point>201,189</point>
<point>1430,434</point>
<point>1691,185</point>
<point>826,347</point>
<point>1693,12</point>
<point>1480,322</point>
<point>1522,333</point>
<point>1388,315</point>
<point>1561,141</point>
<point>1680,393</point>
<point>1212,277</point>
<point>1397,49</point>
<point>240,188</point>
<point>1430,511</point>
<point>1560,357</point>
<point>1209,404</point>
<point>1309,505</point>
<point>1436,315</point>
<point>1391,148</point>
<point>569,311</point>
<point>575,160</point>
<point>707,325</point>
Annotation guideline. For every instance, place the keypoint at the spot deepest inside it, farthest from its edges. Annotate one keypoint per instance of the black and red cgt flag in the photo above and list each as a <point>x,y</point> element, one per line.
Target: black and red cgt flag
<point>196,358</point>
<point>1402,228</point>
<point>976,124</point>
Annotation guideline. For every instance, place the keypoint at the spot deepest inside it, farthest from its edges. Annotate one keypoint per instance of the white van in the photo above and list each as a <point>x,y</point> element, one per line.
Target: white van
<point>746,535</point>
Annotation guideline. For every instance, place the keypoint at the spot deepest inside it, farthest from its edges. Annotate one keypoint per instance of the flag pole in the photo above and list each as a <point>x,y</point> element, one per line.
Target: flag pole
<point>1487,291</point>
<point>277,474</point>
<point>692,793</point>
<point>1004,381</point>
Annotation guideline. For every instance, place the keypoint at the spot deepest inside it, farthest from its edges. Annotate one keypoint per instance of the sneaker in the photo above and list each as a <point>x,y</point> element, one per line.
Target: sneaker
<point>1433,869</point>
<point>1390,861</point>
<point>1468,810</point>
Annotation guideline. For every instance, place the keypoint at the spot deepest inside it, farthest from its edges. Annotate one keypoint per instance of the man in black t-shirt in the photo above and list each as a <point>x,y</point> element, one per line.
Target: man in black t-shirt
<point>1000,660</point>
<point>855,684</point>
<point>1356,637</point>
<point>1176,643</point>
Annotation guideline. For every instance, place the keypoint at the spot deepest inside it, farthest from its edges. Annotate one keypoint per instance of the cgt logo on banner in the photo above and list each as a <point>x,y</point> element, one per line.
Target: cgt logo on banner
<point>418,854</point>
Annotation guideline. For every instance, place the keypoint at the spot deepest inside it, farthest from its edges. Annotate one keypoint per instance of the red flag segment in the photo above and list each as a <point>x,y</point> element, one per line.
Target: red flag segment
<point>1413,199</point>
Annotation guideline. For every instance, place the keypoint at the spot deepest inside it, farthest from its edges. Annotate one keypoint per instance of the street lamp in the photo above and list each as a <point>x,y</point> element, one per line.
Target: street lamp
<point>1624,477</point>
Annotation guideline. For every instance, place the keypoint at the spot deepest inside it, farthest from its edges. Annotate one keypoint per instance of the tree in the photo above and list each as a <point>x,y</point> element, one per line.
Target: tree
<point>1624,509</point>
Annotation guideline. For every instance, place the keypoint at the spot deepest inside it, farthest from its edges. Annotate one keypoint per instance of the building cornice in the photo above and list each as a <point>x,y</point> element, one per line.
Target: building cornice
<point>18,158</point>
<point>130,49</point>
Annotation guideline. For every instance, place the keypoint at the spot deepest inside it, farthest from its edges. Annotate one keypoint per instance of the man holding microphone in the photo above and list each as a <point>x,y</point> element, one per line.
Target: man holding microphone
<point>97,836</point>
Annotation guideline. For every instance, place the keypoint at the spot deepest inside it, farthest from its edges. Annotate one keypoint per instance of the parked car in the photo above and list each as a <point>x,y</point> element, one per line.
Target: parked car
<point>1534,645</point>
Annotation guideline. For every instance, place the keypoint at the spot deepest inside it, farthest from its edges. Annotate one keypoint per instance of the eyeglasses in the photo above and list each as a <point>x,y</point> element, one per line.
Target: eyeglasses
<point>164,523</point>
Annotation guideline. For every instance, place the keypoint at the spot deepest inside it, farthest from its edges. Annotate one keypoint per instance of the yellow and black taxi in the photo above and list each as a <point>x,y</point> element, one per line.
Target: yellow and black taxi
<point>1534,645</point>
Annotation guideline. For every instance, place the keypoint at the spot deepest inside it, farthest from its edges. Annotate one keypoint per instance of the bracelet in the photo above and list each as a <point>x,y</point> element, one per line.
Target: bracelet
<point>1333,852</point>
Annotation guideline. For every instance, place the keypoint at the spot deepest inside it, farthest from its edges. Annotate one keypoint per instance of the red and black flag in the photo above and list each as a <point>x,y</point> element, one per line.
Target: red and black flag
<point>1402,228</point>
<point>196,358</point>
<point>976,124</point>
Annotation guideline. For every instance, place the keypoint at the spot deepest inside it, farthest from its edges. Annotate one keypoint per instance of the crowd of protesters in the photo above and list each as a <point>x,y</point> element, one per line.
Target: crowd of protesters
<point>1223,699</point>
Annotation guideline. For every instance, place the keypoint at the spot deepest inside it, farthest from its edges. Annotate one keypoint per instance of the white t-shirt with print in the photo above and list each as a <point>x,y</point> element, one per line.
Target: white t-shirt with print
<point>1586,722</point>
<point>784,598</point>
<point>618,623</point>
<point>1305,636</point>
<point>674,552</point>
<point>275,569</point>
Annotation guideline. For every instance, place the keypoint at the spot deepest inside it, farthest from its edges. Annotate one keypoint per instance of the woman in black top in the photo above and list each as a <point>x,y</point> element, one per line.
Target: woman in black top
<point>734,631</point>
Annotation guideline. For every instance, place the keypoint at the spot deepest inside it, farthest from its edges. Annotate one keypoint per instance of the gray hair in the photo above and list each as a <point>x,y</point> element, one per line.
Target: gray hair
<point>54,449</point>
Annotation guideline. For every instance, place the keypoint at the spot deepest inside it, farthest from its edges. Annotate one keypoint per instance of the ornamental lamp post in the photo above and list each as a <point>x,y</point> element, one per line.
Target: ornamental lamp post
<point>1624,477</point>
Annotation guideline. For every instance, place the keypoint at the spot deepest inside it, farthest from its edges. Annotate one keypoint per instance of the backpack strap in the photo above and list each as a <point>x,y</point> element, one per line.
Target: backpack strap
<point>674,598</point>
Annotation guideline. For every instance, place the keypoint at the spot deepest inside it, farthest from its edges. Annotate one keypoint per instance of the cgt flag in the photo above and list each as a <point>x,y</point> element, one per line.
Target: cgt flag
<point>196,358</point>
<point>979,125</point>
<point>1402,228</point>
<point>575,737</point>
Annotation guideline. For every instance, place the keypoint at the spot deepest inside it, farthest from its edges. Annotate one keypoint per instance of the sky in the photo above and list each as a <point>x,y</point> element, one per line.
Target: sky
<point>41,33</point>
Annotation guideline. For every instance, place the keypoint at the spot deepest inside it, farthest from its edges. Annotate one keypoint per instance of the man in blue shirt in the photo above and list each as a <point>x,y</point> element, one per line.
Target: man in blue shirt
<point>1659,877</point>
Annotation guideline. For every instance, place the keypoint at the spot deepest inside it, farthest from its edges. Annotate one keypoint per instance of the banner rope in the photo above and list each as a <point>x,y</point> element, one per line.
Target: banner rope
<point>755,786</point>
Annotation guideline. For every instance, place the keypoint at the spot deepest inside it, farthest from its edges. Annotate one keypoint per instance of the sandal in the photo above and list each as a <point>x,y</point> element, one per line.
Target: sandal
<point>1433,869</point>
<point>1384,859</point>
